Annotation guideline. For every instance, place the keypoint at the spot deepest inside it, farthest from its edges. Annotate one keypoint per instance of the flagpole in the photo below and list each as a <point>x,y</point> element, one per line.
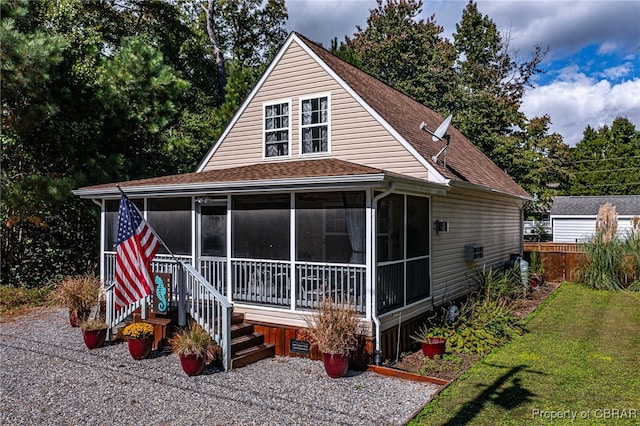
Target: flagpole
<point>157,236</point>
<point>182,315</point>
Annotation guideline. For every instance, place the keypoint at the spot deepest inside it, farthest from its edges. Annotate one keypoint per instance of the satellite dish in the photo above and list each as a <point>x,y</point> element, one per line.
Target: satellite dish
<point>441,132</point>
<point>438,135</point>
<point>442,129</point>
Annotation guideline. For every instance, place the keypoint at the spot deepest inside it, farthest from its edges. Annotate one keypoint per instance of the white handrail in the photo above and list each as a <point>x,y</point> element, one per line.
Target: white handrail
<point>209,308</point>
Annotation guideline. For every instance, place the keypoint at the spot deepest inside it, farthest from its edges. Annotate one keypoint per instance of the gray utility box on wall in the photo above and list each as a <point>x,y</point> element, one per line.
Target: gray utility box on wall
<point>473,252</point>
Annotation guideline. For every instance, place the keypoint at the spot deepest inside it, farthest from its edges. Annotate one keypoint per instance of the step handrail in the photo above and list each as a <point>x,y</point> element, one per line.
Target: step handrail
<point>208,307</point>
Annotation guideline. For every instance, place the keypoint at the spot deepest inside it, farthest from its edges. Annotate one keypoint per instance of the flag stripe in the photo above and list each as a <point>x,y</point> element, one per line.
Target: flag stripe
<point>137,246</point>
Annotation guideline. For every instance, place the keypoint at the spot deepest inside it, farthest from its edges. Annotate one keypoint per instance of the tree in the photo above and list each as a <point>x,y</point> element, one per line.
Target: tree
<point>536,160</point>
<point>250,31</point>
<point>492,81</point>
<point>405,52</point>
<point>105,91</point>
<point>607,160</point>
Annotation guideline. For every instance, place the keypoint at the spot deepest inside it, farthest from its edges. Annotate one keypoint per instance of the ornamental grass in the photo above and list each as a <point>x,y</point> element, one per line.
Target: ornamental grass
<point>333,329</point>
<point>138,330</point>
<point>77,293</point>
<point>195,341</point>
<point>612,263</point>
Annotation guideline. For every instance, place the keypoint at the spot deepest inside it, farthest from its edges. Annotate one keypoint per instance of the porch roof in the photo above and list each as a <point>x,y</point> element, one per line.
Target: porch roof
<point>329,172</point>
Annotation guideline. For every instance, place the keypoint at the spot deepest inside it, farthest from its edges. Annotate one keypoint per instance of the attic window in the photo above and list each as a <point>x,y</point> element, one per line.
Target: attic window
<point>276,129</point>
<point>314,119</point>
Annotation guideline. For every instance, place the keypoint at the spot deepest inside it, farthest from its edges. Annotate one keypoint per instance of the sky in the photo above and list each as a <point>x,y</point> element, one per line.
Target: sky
<point>591,72</point>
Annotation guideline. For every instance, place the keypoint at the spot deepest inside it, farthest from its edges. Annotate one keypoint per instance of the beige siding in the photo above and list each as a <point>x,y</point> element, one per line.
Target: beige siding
<point>355,135</point>
<point>474,217</point>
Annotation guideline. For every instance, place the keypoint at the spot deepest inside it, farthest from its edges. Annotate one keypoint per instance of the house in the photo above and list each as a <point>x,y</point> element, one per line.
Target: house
<point>573,219</point>
<point>325,184</point>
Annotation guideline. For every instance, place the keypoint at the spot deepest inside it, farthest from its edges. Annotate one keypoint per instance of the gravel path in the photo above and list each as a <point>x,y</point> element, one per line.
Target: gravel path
<point>48,377</point>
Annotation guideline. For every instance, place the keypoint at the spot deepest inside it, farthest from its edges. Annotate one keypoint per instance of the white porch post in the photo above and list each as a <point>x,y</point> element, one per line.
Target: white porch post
<point>292,255</point>
<point>228,265</point>
<point>368,259</point>
<point>182,299</point>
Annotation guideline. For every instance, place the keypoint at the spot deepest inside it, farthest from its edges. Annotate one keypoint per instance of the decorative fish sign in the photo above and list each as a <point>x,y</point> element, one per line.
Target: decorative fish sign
<point>161,294</point>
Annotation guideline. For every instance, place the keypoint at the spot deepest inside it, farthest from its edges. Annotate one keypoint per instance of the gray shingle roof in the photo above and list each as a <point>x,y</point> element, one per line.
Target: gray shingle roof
<point>626,205</point>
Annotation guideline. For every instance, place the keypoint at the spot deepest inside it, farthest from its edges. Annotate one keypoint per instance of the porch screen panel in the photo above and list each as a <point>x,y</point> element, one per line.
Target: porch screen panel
<point>417,226</point>
<point>261,227</point>
<point>111,221</point>
<point>214,231</point>
<point>330,227</point>
<point>417,279</point>
<point>171,219</point>
<point>390,241</point>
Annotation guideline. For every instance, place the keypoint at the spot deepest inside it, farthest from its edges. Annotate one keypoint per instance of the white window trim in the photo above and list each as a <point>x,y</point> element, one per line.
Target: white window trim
<point>264,130</point>
<point>305,98</point>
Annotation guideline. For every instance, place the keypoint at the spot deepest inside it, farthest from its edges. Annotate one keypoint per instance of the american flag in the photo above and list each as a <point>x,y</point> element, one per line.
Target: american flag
<point>137,246</point>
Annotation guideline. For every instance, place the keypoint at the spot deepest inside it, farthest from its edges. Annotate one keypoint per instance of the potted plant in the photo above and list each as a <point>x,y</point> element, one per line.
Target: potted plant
<point>536,269</point>
<point>431,339</point>
<point>333,329</point>
<point>94,332</point>
<point>139,337</point>
<point>77,293</point>
<point>195,347</point>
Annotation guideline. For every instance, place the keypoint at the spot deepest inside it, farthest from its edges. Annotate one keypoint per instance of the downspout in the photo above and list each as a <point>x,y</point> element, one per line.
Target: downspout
<point>377,355</point>
<point>108,314</point>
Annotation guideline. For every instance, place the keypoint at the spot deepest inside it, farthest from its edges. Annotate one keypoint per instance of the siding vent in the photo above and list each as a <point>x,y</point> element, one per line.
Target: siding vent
<point>442,226</point>
<point>473,252</point>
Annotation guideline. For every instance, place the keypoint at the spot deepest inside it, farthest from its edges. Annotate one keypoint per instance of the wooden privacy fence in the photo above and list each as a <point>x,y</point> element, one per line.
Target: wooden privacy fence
<point>560,260</point>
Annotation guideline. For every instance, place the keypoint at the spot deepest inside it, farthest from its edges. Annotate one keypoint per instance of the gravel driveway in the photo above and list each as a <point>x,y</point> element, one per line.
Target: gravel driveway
<point>48,377</point>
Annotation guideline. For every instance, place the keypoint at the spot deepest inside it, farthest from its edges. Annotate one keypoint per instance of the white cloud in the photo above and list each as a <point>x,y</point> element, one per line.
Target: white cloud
<point>618,72</point>
<point>576,101</point>
<point>607,47</point>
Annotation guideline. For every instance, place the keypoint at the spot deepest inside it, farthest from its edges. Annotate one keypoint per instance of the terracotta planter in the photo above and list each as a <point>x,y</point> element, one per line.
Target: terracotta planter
<point>140,348</point>
<point>94,338</point>
<point>192,365</point>
<point>435,346</point>
<point>335,365</point>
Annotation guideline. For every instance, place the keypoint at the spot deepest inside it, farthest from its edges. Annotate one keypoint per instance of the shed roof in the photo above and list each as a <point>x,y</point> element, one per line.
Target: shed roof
<point>626,205</point>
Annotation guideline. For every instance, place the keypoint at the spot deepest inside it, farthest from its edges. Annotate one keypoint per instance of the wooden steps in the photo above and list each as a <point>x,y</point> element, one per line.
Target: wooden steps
<point>247,346</point>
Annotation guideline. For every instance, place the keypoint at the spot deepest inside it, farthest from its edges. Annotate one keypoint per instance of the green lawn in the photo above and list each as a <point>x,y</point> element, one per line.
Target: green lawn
<point>580,358</point>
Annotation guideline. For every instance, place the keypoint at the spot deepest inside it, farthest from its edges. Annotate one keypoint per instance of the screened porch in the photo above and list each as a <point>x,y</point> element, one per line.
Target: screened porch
<point>290,250</point>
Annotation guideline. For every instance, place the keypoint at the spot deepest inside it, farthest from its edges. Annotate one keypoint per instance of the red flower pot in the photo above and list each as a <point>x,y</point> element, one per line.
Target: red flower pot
<point>434,347</point>
<point>192,365</point>
<point>140,348</point>
<point>335,365</point>
<point>94,338</point>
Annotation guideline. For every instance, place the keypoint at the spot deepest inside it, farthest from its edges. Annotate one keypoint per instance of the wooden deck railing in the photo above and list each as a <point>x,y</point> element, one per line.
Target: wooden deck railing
<point>553,247</point>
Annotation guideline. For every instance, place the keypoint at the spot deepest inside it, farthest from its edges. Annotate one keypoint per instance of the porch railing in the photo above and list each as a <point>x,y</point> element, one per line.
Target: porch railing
<point>344,284</point>
<point>266,282</point>
<point>214,269</point>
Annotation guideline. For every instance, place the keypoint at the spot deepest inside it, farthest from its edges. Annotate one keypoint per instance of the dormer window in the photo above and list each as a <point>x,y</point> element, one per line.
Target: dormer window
<point>277,129</point>
<point>314,119</point>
